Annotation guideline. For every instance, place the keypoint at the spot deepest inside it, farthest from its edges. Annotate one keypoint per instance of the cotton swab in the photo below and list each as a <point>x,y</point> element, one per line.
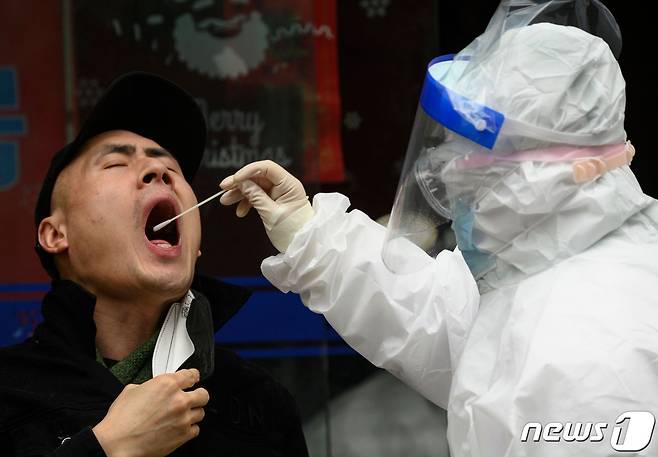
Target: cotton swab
<point>168,221</point>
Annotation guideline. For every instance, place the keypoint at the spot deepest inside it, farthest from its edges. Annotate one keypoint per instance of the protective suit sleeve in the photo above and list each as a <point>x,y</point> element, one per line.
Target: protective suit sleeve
<point>414,326</point>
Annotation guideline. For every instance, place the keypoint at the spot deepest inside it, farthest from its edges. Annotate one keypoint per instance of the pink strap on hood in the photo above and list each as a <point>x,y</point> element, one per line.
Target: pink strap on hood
<point>588,162</point>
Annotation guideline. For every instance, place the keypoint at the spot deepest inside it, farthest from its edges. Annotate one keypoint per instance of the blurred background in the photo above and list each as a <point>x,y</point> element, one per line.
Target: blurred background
<point>327,88</point>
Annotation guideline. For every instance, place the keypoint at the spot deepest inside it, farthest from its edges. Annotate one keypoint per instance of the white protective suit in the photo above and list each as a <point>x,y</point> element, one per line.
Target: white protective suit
<point>576,342</point>
<point>562,333</point>
<point>519,140</point>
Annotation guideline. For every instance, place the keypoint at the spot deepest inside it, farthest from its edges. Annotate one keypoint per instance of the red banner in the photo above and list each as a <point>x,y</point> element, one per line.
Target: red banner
<point>264,72</point>
<point>32,126</point>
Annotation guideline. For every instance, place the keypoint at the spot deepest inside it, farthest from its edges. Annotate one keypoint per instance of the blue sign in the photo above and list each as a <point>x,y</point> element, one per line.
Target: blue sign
<point>10,125</point>
<point>270,325</point>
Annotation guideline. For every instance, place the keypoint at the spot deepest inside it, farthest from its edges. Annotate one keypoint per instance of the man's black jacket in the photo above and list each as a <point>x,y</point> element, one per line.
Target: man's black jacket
<point>52,390</point>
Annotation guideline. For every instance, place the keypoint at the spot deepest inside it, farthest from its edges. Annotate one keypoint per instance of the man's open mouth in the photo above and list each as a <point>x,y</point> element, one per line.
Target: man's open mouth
<point>167,236</point>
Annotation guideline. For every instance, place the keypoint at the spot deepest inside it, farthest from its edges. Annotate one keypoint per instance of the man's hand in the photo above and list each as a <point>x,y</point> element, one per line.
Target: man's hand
<point>154,418</point>
<point>278,196</point>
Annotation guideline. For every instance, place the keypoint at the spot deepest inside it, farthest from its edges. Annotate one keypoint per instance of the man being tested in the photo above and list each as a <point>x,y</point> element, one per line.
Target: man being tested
<point>125,363</point>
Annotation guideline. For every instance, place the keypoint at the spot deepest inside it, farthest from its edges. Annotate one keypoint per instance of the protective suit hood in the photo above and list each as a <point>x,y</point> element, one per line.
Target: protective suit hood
<point>553,84</point>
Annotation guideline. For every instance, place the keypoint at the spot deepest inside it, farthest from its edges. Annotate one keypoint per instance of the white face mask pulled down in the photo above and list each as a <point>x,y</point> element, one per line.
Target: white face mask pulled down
<point>174,345</point>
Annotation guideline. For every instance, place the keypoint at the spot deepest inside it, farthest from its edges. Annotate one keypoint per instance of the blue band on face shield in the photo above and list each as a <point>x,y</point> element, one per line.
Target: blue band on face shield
<point>469,119</point>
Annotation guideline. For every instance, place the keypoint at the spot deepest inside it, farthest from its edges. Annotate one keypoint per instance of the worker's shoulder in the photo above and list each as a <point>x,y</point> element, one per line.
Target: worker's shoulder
<point>616,287</point>
<point>595,313</point>
<point>615,263</point>
<point>589,331</point>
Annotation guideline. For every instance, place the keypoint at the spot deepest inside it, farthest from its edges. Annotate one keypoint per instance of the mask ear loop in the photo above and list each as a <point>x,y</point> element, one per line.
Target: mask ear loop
<point>591,168</point>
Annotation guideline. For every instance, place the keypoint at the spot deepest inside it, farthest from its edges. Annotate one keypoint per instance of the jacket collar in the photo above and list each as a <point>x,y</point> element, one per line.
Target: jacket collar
<point>68,310</point>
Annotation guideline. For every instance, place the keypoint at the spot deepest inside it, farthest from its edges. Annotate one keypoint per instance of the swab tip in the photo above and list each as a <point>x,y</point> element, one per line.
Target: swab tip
<point>160,225</point>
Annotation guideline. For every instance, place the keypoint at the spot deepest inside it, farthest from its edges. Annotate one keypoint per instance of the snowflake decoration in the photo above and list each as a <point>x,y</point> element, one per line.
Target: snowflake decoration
<point>375,7</point>
<point>89,92</point>
<point>352,120</point>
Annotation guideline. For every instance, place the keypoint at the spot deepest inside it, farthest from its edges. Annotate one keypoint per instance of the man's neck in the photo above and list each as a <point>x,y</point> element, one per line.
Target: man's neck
<point>122,327</point>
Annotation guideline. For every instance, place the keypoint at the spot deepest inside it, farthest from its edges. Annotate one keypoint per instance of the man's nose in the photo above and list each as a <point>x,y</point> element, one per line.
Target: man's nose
<point>154,172</point>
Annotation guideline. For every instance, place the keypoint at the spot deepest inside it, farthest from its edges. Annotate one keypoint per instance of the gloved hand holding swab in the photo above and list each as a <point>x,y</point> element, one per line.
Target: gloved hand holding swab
<point>218,194</point>
<point>168,221</point>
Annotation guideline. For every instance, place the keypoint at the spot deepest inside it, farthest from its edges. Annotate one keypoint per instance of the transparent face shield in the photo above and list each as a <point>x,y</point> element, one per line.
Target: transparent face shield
<point>491,202</point>
<point>428,193</point>
<point>432,193</point>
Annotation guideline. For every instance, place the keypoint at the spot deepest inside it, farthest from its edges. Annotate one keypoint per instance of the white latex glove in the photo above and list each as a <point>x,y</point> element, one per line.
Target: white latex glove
<point>278,196</point>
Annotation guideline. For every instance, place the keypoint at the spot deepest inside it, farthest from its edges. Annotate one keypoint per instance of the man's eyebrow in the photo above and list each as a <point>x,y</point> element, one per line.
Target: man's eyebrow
<point>127,149</point>
<point>157,152</point>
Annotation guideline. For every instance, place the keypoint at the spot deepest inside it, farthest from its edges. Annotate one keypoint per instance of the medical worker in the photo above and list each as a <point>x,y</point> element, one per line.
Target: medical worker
<point>539,333</point>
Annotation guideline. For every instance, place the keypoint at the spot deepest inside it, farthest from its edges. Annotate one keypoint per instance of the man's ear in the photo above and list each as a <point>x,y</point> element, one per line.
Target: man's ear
<point>198,254</point>
<point>52,235</point>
